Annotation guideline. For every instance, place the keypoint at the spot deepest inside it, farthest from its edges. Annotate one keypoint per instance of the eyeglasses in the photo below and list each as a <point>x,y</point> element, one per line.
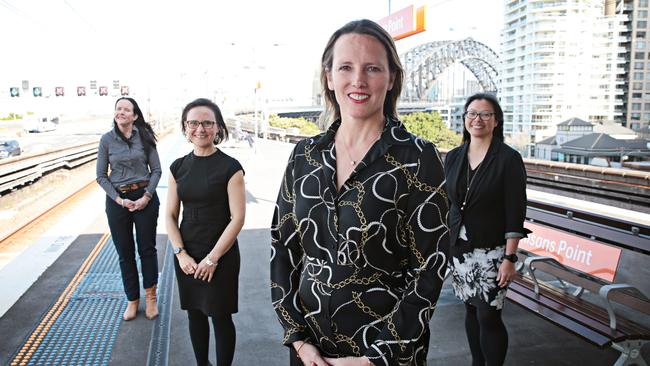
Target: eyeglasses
<point>193,125</point>
<point>484,116</point>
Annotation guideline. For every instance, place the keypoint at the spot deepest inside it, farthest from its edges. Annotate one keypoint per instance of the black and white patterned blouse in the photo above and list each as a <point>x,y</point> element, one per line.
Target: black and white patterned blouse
<point>359,272</point>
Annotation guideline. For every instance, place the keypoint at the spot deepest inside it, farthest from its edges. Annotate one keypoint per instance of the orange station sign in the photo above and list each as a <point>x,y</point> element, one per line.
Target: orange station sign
<point>588,256</point>
<point>405,22</point>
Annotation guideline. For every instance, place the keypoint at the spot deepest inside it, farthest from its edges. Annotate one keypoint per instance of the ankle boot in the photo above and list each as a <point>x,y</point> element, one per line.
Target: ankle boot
<point>151,310</point>
<point>131,310</point>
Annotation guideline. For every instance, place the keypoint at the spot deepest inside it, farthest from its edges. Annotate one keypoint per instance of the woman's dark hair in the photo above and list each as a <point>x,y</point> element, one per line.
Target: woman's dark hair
<point>498,115</point>
<point>332,109</point>
<point>222,131</point>
<point>147,135</point>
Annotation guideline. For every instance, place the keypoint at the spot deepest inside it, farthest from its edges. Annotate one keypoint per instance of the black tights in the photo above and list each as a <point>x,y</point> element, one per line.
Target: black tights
<point>224,333</point>
<point>487,335</point>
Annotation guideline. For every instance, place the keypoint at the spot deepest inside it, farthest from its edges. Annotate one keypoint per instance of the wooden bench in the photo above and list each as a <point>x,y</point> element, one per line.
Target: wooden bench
<point>595,317</point>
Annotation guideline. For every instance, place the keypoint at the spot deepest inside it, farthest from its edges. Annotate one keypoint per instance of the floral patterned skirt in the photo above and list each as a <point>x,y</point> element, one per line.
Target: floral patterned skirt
<point>474,274</point>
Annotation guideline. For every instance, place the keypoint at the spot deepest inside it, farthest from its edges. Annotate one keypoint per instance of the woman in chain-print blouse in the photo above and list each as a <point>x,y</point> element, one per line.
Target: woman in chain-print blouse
<point>357,268</point>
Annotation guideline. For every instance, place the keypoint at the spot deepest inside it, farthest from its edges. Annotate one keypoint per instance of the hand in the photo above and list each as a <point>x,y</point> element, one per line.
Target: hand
<point>349,361</point>
<point>187,263</point>
<point>140,203</point>
<point>204,271</point>
<point>506,273</point>
<point>126,203</point>
<point>309,355</point>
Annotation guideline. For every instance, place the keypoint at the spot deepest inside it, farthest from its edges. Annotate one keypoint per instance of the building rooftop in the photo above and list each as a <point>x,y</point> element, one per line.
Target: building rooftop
<point>548,141</point>
<point>595,141</point>
<point>575,122</point>
<point>612,128</point>
<point>637,144</point>
<point>601,144</point>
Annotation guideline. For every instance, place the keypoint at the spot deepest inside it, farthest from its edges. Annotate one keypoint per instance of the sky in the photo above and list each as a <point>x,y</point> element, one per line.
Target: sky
<point>195,47</point>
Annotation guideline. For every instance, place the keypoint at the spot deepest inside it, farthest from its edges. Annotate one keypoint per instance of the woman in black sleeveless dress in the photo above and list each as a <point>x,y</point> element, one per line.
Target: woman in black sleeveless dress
<point>210,185</point>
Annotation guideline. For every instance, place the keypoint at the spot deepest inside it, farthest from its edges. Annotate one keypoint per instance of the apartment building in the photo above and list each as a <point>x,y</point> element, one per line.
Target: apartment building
<point>559,59</point>
<point>636,99</point>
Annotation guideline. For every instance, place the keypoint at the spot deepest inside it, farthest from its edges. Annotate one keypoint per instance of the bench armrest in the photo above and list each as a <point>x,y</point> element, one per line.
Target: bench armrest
<point>530,268</point>
<point>604,294</point>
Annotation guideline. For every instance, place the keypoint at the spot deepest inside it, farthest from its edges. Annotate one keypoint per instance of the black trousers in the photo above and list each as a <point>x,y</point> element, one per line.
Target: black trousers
<point>121,222</point>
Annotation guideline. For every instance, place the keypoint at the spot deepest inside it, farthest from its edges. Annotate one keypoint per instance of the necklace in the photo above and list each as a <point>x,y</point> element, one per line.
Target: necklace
<point>353,161</point>
<point>469,182</point>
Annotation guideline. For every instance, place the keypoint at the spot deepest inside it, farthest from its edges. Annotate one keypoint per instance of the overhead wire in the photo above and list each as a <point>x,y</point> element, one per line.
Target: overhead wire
<point>81,17</point>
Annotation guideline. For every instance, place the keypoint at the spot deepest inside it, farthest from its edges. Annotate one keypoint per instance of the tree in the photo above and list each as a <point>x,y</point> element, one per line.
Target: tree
<point>430,126</point>
<point>521,142</point>
<point>306,127</point>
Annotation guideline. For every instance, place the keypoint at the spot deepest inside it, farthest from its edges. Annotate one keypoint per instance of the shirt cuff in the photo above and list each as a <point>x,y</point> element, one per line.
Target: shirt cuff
<point>295,336</point>
<point>113,195</point>
<point>514,234</point>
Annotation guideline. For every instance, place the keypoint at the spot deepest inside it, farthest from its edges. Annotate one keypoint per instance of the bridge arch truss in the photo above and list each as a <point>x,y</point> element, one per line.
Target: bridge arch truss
<point>424,64</point>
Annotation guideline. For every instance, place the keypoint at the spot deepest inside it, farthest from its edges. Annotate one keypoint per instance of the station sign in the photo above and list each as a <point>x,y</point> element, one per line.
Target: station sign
<point>405,22</point>
<point>589,256</point>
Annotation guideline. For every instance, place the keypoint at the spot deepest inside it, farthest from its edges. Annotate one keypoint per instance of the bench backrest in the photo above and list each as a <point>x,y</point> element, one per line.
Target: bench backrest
<point>585,255</point>
<point>595,250</point>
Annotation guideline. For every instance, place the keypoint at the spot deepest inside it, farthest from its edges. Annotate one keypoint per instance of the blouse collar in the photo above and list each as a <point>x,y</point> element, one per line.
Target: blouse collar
<point>394,133</point>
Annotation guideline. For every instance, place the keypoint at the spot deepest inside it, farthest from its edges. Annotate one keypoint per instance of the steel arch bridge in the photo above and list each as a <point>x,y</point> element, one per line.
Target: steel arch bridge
<point>423,64</point>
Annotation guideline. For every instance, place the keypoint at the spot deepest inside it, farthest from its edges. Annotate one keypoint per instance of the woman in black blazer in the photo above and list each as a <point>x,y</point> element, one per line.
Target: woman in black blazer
<point>486,185</point>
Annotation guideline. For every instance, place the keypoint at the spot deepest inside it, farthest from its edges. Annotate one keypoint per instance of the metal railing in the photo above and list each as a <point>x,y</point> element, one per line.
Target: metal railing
<point>24,169</point>
<point>20,170</point>
<point>292,135</point>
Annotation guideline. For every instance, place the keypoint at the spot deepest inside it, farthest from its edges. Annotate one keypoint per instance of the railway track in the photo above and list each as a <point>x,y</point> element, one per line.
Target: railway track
<point>14,239</point>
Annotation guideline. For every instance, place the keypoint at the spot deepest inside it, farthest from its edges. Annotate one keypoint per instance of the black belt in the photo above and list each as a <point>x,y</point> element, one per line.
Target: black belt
<point>132,186</point>
<point>204,214</point>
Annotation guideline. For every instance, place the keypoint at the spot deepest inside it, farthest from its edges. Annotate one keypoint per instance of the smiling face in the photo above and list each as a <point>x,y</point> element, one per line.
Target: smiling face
<point>201,137</point>
<point>124,114</point>
<point>478,127</point>
<point>360,77</point>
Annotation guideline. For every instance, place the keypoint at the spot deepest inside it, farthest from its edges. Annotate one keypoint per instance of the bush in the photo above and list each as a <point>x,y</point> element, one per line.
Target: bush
<point>306,127</point>
<point>430,126</point>
<point>12,117</point>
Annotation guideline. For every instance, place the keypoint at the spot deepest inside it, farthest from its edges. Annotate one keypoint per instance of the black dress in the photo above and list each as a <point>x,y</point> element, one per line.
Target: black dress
<point>202,183</point>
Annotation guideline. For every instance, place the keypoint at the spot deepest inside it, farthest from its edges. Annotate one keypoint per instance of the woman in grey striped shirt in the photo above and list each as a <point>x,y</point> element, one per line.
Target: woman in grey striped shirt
<point>129,149</point>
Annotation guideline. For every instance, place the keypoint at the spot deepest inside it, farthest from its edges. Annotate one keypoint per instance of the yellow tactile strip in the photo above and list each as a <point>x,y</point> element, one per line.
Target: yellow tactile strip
<point>35,339</point>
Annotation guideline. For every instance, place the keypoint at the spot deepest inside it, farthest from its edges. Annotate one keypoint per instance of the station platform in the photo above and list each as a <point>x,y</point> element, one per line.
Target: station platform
<point>64,294</point>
